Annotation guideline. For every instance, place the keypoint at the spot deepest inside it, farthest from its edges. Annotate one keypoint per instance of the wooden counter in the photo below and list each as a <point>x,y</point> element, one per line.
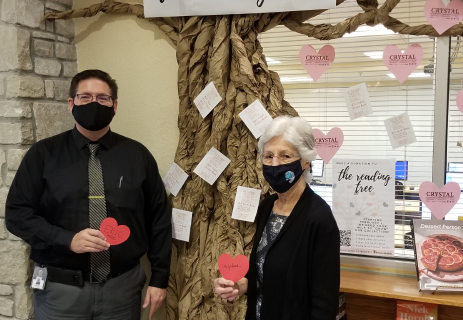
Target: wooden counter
<point>373,296</point>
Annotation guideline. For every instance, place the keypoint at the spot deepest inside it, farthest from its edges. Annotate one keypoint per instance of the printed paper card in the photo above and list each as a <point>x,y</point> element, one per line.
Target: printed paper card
<point>402,64</point>
<point>246,203</point>
<point>400,130</point>
<point>181,224</point>
<point>175,178</point>
<point>212,166</point>
<point>439,254</point>
<point>442,17</point>
<point>358,101</point>
<point>364,205</point>
<point>233,268</point>
<point>256,118</point>
<point>316,63</point>
<point>207,100</point>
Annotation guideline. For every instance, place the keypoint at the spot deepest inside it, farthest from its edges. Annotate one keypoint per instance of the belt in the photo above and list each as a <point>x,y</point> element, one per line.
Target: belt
<point>75,277</point>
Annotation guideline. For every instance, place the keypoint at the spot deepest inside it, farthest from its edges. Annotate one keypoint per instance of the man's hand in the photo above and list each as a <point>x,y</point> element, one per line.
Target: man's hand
<point>89,240</point>
<point>155,296</point>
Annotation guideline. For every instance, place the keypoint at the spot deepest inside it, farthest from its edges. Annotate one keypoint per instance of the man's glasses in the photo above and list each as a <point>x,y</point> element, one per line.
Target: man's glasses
<point>103,99</point>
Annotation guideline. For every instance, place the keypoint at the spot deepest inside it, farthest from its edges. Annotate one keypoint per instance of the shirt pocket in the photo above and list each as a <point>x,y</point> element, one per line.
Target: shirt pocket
<point>129,194</point>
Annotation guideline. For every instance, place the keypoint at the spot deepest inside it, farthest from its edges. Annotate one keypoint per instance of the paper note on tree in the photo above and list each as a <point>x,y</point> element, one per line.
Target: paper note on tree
<point>207,100</point>
<point>256,118</point>
<point>212,166</point>
<point>174,179</point>
<point>181,224</point>
<point>246,203</point>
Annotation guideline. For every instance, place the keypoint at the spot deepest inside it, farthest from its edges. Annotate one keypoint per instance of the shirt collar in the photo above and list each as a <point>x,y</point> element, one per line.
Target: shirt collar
<point>106,141</point>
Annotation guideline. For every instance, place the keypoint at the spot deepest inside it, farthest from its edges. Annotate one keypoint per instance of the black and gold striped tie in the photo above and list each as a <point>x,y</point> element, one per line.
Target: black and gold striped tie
<point>99,261</point>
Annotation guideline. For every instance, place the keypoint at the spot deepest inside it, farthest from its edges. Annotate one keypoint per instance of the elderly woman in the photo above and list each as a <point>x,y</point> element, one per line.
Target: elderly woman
<point>294,264</point>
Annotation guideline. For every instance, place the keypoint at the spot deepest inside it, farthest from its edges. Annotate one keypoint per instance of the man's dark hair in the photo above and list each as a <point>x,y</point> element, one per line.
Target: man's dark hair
<point>93,74</point>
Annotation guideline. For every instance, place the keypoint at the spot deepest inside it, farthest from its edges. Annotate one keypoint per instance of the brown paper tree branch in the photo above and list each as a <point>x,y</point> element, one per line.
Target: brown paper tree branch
<point>226,51</point>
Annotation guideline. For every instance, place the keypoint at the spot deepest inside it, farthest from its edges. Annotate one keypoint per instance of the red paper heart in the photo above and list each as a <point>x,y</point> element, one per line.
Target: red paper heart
<point>114,234</point>
<point>233,269</point>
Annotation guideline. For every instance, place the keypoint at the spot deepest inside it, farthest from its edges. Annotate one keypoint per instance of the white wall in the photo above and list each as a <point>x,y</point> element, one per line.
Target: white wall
<point>142,60</point>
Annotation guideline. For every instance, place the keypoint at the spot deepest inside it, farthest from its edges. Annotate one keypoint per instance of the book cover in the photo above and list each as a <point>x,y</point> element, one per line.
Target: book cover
<point>439,254</point>
<point>407,310</point>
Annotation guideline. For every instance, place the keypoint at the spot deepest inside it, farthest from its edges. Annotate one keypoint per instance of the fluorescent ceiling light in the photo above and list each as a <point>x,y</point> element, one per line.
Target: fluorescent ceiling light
<point>272,61</point>
<point>363,31</point>
<point>413,75</point>
<point>374,54</point>
<point>295,79</point>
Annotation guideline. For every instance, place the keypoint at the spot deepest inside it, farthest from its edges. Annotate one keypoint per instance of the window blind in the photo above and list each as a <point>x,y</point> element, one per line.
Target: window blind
<point>454,169</point>
<point>359,60</point>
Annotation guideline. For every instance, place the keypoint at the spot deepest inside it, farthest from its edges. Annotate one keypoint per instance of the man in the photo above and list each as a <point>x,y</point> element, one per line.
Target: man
<point>65,187</point>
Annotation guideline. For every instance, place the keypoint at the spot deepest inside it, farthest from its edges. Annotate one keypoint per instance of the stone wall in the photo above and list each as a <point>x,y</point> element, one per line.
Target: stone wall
<point>37,60</point>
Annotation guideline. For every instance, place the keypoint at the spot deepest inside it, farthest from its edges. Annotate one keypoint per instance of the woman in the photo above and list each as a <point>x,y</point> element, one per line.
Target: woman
<point>294,264</point>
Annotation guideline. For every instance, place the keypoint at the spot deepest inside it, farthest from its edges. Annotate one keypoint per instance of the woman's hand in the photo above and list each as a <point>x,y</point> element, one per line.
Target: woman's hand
<point>230,290</point>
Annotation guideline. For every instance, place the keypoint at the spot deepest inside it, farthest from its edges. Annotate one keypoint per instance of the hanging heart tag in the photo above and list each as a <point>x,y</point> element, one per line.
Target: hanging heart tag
<point>402,64</point>
<point>443,17</point>
<point>316,63</point>
<point>327,145</point>
<point>440,201</point>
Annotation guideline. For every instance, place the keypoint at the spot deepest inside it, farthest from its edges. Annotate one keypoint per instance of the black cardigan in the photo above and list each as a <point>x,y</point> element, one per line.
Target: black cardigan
<point>302,268</point>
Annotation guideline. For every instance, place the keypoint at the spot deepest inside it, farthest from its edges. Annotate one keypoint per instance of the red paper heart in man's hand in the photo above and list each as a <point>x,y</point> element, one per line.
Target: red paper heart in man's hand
<point>114,234</point>
<point>233,269</point>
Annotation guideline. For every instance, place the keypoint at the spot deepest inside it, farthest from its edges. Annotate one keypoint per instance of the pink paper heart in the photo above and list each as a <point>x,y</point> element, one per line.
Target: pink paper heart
<point>233,268</point>
<point>460,100</point>
<point>327,146</point>
<point>402,64</point>
<point>114,234</point>
<point>369,204</point>
<point>440,201</point>
<point>316,63</point>
<point>443,17</point>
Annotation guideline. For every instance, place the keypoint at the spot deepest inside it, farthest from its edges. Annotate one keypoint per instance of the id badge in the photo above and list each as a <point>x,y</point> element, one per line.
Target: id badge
<point>39,278</point>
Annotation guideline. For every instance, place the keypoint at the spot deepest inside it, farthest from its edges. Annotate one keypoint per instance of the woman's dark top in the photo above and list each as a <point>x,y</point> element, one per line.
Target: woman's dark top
<point>302,267</point>
<point>272,228</point>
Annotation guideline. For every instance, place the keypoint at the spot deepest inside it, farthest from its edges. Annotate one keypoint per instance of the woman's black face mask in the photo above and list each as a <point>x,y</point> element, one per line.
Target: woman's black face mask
<point>282,177</point>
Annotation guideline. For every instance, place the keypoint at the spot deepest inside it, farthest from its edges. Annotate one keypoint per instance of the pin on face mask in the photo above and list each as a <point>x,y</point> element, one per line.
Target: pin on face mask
<point>93,116</point>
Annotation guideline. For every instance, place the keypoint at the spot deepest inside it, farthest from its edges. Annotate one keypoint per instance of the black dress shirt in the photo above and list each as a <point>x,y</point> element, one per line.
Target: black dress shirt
<point>48,202</point>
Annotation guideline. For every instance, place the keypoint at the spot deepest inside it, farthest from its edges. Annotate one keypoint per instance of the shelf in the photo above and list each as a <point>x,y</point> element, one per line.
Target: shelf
<point>394,287</point>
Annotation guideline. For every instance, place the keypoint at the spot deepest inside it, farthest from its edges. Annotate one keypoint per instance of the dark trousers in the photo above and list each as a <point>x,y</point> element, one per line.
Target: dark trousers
<point>117,299</point>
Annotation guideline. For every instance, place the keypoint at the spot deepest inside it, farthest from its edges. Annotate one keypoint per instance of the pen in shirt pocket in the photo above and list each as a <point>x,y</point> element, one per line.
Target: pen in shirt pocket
<point>120,181</point>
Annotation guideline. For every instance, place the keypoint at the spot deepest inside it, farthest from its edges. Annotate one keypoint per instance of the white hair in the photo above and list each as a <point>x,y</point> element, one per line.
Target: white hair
<point>297,132</point>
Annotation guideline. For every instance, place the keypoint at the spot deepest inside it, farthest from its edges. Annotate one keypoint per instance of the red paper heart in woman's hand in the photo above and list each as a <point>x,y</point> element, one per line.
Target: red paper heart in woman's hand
<point>233,269</point>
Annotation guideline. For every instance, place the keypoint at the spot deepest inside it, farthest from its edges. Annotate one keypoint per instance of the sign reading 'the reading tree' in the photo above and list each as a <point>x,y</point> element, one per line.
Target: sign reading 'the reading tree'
<point>363,205</point>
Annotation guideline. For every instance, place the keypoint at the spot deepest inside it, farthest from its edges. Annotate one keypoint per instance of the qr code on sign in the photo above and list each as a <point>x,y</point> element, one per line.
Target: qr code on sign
<point>346,237</point>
